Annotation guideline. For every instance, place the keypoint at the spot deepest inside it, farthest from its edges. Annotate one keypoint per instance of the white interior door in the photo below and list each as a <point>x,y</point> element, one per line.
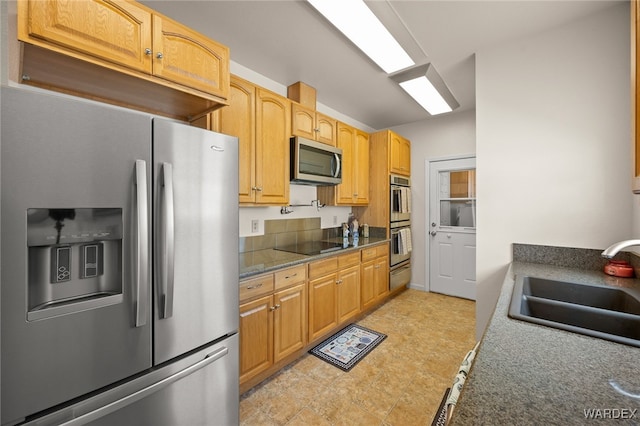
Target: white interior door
<point>452,227</point>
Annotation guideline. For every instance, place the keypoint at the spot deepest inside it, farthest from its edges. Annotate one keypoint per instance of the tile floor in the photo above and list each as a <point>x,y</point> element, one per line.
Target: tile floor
<point>401,382</point>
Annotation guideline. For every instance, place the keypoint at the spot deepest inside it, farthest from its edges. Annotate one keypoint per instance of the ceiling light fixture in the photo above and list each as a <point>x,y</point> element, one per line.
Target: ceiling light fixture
<point>364,29</point>
<point>424,84</point>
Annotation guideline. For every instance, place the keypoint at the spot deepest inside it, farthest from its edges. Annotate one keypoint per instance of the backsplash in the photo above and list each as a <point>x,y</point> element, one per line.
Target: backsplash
<point>278,233</point>
<point>567,257</point>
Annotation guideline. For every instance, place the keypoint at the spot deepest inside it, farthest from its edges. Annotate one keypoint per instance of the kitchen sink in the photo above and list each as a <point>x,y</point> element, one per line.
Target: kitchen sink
<point>594,310</point>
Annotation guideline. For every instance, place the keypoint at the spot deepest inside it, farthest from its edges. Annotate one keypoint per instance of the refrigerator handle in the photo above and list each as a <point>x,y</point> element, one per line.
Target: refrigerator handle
<point>141,281</point>
<point>145,392</point>
<point>167,239</point>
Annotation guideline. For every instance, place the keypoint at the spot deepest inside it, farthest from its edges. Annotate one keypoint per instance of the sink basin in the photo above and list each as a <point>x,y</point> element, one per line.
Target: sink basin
<point>594,310</point>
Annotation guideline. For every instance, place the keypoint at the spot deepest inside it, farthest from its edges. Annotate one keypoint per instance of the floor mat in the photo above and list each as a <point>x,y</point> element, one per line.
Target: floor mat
<point>348,346</point>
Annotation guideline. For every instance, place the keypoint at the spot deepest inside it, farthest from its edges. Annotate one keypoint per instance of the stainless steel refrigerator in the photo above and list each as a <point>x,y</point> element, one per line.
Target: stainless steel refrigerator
<point>119,266</point>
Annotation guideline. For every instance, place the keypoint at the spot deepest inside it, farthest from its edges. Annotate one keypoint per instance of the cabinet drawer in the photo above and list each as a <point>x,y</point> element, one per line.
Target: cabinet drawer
<point>256,287</point>
<point>285,278</point>
<point>369,253</point>
<point>348,259</point>
<point>323,267</point>
<point>382,250</point>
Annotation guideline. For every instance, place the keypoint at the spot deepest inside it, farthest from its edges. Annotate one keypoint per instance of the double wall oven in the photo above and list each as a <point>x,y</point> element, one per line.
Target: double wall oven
<point>400,231</point>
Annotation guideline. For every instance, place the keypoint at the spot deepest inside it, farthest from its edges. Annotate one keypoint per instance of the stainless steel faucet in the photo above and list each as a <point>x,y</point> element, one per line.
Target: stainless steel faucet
<point>615,248</point>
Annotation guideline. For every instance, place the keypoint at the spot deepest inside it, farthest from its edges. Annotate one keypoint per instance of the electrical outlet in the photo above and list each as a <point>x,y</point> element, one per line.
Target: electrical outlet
<point>254,226</point>
<point>335,220</point>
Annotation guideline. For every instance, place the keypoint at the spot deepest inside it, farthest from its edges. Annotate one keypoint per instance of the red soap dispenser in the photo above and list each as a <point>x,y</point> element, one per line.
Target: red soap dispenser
<point>618,268</point>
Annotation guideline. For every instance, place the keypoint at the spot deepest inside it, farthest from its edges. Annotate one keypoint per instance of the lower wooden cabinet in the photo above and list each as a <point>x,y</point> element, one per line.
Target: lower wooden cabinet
<point>348,293</point>
<point>290,322</point>
<point>256,337</point>
<point>283,314</point>
<point>334,292</point>
<point>323,307</point>
<point>375,275</point>
<point>272,328</point>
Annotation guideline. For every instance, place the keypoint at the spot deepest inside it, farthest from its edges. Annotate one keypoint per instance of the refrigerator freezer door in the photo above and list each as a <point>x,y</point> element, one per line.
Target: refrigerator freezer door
<point>196,237</point>
<point>201,389</point>
<point>70,163</point>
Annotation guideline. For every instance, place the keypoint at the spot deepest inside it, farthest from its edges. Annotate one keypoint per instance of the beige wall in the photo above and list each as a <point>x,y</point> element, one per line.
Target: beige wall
<point>553,144</point>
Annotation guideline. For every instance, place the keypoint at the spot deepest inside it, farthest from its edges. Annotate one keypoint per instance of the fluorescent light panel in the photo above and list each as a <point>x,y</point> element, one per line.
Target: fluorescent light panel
<point>364,29</point>
<point>424,84</point>
<point>426,95</point>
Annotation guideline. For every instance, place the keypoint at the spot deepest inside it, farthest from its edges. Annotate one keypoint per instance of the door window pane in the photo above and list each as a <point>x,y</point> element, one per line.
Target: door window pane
<point>457,198</point>
<point>458,213</point>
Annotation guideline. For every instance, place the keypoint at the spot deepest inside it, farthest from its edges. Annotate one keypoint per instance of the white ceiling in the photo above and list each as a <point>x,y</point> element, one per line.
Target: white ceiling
<point>289,41</point>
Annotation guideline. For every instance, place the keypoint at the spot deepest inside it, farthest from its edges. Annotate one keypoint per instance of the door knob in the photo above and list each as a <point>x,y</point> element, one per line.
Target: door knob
<point>433,224</point>
<point>433,233</point>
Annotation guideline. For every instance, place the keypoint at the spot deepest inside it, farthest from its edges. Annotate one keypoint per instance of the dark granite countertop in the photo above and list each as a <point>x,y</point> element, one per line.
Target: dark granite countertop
<point>261,261</point>
<point>528,374</point>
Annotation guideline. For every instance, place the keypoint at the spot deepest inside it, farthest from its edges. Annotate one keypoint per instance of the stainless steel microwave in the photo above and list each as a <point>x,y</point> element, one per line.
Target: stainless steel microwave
<point>315,163</point>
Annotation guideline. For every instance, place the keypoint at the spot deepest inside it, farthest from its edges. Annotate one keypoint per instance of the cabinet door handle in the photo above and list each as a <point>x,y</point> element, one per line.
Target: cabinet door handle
<point>338,281</point>
<point>147,51</point>
<point>251,287</point>
<point>273,308</point>
<point>159,55</point>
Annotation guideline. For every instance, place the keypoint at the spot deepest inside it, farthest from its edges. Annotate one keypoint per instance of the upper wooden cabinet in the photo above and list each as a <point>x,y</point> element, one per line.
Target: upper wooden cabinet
<point>260,121</point>
<point>239,119</point>
<point>92,48</point>
<point>390,154</point>
<point>312,125</point>
<point>119,32</point>
<point>184,56</point>
<point>272,148</point>
<point>400,158</point>
<point>354,189</point>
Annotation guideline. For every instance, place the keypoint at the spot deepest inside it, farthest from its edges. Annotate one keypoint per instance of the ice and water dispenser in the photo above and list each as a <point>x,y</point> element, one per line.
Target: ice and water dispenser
<point>75,260</point>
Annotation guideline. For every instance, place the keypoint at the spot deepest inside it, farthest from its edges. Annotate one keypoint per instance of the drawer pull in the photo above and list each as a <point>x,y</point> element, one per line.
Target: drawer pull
<point>291,276</point>
<point>251,287</point>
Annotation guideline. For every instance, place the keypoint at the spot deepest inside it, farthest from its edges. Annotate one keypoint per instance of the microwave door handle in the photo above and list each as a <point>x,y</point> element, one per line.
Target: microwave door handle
<point>167,253</point>
<point>141,281</point>
<point>337,173</point>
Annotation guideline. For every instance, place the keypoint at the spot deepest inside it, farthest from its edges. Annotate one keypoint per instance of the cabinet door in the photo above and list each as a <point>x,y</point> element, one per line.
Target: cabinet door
<point>256,337</point>
<point>400,158</point>
<point>348,290</point>
<point>238,119</point>
<point>326,129</point>
<point>381,277</point>
<point>272,148</point>
<point>303,122</point>
<point>116,31</point>
<point>186,57</point>
<point>322,306</point>
<point>361,168</point>
<point>290,325</point>
<point>368,291</point>
<point>345,190</point>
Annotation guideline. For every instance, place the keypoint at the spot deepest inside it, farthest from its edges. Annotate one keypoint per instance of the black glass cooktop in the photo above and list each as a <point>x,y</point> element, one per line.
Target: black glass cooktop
<point>311,248</point>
